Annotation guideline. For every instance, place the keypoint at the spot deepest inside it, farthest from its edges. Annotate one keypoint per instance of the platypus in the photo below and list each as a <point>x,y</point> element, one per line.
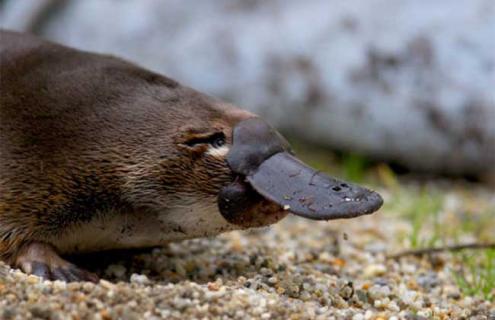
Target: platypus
<point>97,153</point>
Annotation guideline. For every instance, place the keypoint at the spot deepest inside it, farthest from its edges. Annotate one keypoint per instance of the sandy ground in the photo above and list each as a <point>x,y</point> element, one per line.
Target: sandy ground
<point>297,269</point>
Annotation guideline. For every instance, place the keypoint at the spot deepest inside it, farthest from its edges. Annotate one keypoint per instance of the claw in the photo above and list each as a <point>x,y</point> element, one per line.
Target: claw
<point>78,274</point>
<point>42,260</point>
<point>40,269</point>
<point>59,274</point>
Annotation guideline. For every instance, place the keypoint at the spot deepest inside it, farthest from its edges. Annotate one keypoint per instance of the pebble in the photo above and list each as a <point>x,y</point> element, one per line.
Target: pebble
<point>379,292</point>
<point>33,279</point>
<point>368,314</point>
<point>116,270</point>
<point>374,270</point>
<point>297,269</point>
<point>427,281</point>
<point>139,279</point>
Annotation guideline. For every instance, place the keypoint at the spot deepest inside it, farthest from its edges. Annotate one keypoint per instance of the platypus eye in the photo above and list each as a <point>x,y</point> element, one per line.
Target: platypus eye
<point>216,140</point>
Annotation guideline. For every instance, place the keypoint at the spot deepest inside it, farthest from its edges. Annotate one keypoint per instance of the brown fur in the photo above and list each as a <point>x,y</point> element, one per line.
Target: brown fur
<point>82,134</point>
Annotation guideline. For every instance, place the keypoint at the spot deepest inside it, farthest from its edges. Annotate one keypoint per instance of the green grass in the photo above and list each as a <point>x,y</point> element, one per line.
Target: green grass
<point>419,203</point>
<point>355,167</point>
<point>422,208</point>
<point>476,276</point>
<point>432,225</point>
<point>426,208</point>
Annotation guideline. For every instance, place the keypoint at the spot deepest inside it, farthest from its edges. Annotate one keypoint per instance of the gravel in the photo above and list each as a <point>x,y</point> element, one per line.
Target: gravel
<point>297,269</point>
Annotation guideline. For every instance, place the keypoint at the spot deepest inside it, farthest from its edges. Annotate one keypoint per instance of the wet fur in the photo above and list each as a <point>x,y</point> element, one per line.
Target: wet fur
<point>84,135</point>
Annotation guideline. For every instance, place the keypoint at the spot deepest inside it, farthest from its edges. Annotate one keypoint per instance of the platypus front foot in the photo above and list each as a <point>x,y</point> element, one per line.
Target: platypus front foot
<point>42,260</point>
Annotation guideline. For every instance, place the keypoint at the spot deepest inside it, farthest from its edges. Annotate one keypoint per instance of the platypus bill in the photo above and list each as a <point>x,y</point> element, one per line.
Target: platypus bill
<point>97,153</point>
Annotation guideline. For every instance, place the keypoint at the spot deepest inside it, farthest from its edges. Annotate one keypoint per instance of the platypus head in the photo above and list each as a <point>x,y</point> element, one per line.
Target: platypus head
<point>233,170</point>
<point>207,167</point>
<point>265,168</point>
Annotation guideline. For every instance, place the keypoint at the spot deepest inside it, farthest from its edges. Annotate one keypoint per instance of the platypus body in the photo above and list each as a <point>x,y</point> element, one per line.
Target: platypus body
<point>97,153</point>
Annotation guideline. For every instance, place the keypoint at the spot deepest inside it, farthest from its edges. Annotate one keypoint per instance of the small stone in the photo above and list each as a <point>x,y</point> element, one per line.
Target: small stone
<point>412,284</point>
<point>266,272</point>
<point>88,286</point>
<point>106,284</point>
<point>242,280</point>
<point>346,291</point>
<point>379,292</point>
<point>32,279</point>
<point>428,281</point>
<point>425,313</point>
<point>358,316</point>
<point>73,286</point>
<point>280,290</point>
<point>409,268</point>
<point>362,296</point>
<point>8,313</point>
<point>392,306</point>
<point>272,280</point>
<point>281,273</point>
<point>40,311</point>
<point>213,286</point>
<point>377,304</point>
<point>116,270</point>
<point>374,270</point>
<point>139,279</point>
<point>59,285</point>
<point>368,315</point>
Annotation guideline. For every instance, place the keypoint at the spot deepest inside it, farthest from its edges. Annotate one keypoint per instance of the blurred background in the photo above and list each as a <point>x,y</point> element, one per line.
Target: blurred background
<point>408,82</point>
<point>364,90</point>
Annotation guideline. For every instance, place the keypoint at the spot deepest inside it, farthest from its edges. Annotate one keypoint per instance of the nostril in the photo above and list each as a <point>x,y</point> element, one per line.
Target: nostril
<point>336,188</point>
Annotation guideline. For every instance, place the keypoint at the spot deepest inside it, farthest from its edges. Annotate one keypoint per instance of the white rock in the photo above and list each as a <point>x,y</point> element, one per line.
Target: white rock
<point>368,315</point>
<point>374,270</point>
<point>139,279</point>
<point>417,88</point>
<point>358,316</point>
